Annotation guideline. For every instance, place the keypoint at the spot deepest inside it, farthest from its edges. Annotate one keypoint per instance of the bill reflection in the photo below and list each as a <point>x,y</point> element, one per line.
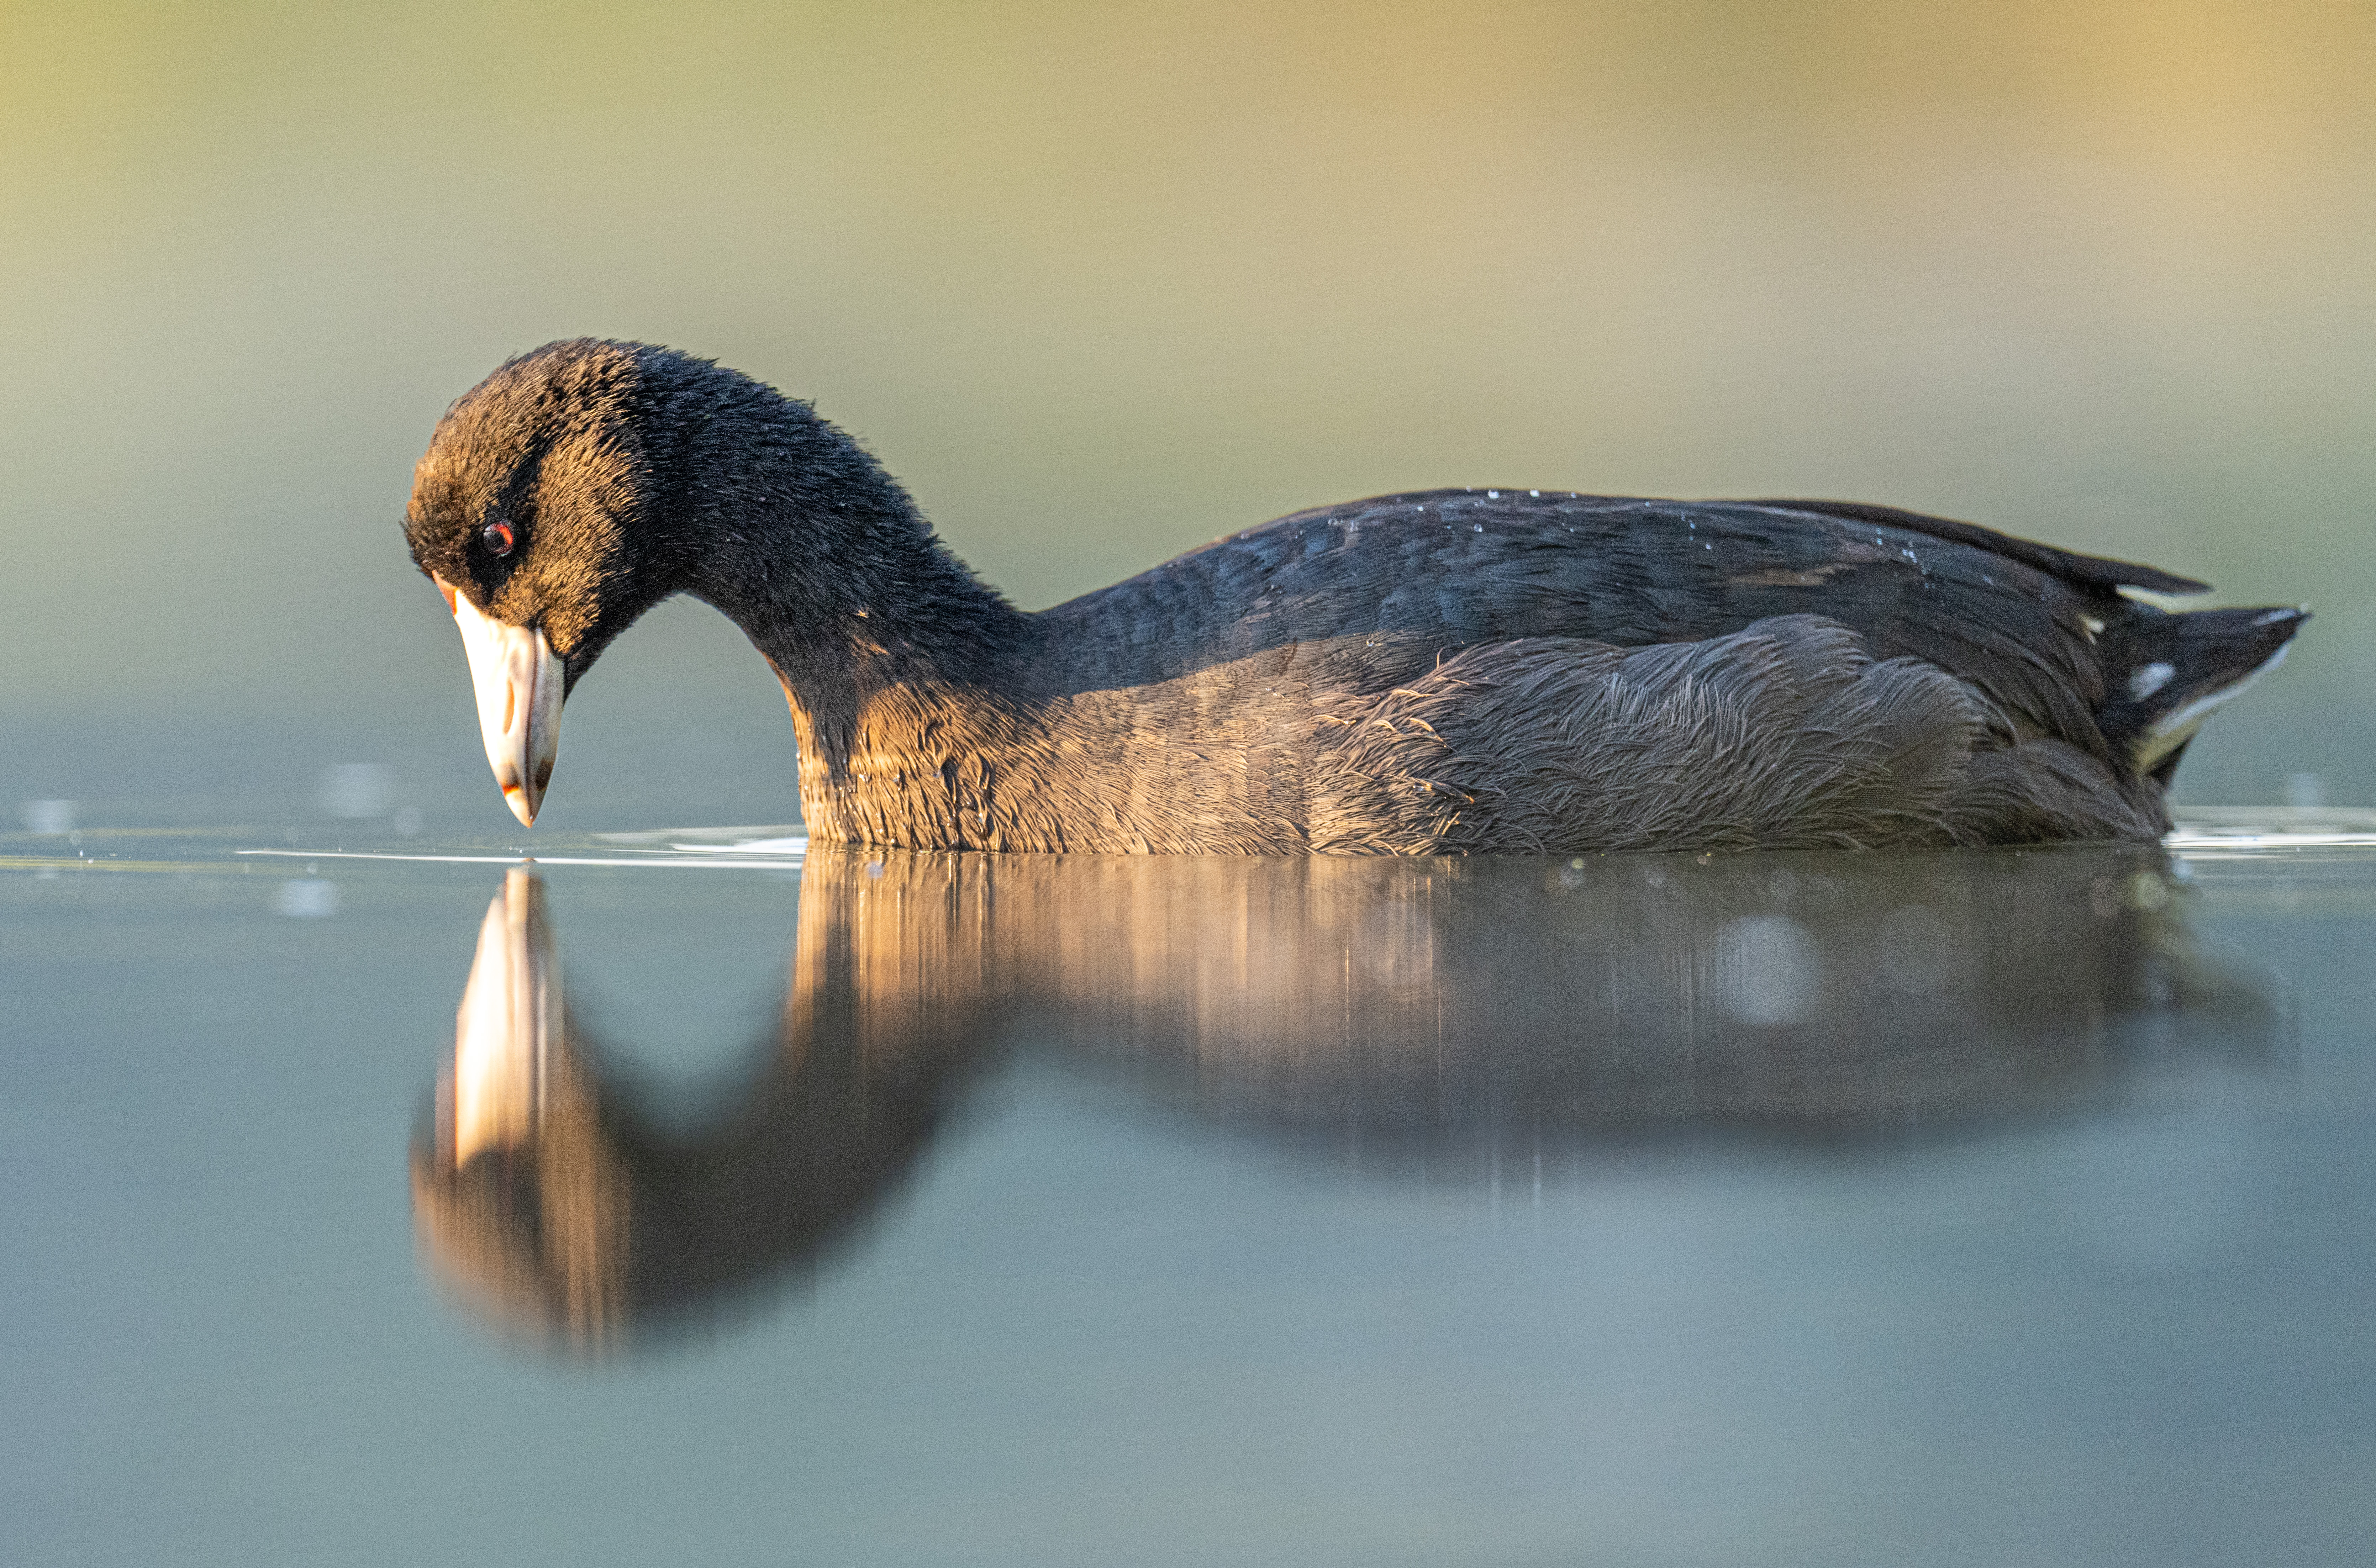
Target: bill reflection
<point>1440,1017</point>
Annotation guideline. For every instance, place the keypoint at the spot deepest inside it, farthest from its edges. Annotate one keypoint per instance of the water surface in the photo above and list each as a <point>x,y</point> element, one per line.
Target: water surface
<point>690,1196</point>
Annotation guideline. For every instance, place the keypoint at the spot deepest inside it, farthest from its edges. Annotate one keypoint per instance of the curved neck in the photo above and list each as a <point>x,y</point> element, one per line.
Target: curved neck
<point>800,536</point>
<point>794,531</point>
<point>858,598</point>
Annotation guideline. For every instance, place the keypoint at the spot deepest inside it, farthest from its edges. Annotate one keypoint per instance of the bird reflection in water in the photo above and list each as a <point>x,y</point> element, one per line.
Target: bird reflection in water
<point>1399,1016</point>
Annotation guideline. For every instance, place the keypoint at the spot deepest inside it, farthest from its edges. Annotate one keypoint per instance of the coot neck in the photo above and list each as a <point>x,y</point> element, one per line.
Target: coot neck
<point>797,534</point>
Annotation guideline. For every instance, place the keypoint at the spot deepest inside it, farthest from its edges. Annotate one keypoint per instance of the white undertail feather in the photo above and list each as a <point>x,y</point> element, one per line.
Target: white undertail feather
<point>2176,727</point>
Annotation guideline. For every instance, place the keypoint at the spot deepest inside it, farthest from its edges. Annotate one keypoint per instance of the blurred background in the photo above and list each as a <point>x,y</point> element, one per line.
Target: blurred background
<point>1101,283</point>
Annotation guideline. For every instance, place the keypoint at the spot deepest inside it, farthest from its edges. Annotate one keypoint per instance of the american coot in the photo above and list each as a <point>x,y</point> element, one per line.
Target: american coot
<point>1445,671</point>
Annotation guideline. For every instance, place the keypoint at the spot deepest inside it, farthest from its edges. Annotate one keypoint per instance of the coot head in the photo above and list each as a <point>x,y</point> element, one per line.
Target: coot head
<point>531,511</point>
<point>584,483</point>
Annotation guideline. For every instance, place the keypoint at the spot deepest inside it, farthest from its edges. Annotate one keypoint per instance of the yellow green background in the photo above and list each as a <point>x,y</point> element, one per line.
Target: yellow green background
<point>1101,282</point>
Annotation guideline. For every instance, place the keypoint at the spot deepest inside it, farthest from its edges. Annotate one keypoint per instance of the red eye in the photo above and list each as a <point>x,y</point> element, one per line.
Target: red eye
<point>498,538</point>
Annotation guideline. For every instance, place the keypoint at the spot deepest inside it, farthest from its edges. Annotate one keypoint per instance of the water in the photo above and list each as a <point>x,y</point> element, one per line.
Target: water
<point>689,1198</point>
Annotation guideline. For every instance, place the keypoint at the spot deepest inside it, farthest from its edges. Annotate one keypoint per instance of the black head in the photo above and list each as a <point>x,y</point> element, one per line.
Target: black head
<point>536,497</point>
<point>583,484</point>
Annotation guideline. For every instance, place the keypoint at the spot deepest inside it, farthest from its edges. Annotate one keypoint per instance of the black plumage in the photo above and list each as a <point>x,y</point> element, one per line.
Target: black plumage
<point>1438,672</point>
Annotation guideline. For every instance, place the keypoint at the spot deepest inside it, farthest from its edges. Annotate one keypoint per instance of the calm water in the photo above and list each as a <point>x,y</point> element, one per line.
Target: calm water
<point>686,1198</point>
